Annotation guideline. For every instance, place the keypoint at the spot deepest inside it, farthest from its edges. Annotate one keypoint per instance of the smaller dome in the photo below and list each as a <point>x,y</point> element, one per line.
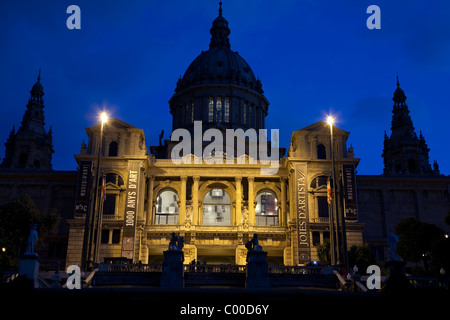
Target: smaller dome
<point>37,90</point>
<point>399,95</point>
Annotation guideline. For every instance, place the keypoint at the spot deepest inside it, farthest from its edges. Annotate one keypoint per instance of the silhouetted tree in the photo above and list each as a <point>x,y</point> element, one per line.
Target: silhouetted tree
<point>361,257</point>
<point>16,218</point>
<point>323,251</point>
<point>417,240</point>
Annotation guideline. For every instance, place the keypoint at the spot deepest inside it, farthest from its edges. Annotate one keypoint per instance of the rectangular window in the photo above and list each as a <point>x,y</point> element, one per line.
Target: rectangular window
<point>226,111</point>
<point>109,206</point>
<point>219,111</point>
<point>211,109</point>
<point>116,236</point>
<point>316,238</point>
<point>186,113</point>
<point>250,116</point>
<point>105,236</point>
<point>322,206</point>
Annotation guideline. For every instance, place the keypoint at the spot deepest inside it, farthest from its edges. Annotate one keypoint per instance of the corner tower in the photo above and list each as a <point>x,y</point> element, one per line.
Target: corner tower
<point>31,147</point>
<point>219,88</point>
<point>404,153</point>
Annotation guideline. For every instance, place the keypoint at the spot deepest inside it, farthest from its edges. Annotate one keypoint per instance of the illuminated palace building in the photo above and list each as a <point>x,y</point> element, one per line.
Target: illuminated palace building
<point>217,206</point>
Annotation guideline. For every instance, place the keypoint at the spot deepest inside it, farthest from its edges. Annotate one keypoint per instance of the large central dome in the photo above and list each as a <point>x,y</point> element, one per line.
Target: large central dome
<point>219,88</point>
<point>219,64</point>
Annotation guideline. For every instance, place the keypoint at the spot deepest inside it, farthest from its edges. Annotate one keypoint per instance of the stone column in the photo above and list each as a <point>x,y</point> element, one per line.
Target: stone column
<point>149,217</point>
<point>182,208</point>
<point>283,202</point>
<point>292,214</point>
<point>251,200</point>
<point>195,213</point>
<point>238,201</point>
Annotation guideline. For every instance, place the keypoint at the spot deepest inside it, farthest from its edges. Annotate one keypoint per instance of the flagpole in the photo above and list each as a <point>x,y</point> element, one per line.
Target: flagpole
<point>100,219</point>
<point>94,235</point>
<point>331,223</point>
<point>334,222</point>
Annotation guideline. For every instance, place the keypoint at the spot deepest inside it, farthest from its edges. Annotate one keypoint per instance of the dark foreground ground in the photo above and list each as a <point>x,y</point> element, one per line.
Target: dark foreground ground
<point>198,303</point>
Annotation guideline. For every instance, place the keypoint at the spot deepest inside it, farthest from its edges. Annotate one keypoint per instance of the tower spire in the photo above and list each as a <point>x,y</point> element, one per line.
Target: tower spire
<point>30,147</point>
<point>220,31</point>
<point>399,96</point>
<point>404,153</point>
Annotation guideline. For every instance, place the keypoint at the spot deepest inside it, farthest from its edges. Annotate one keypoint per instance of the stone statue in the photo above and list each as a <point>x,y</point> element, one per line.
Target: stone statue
<point>32,238</point>
<point>180,243</point>
<point>173,242</point>
<point>176,243</point>
<point>253,245</point>
<point>392,241</point>
<point>245,222</point>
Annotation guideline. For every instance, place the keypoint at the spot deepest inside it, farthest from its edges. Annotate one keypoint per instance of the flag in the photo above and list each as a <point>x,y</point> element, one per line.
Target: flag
<point>329,198</point>
<point>103,197</point>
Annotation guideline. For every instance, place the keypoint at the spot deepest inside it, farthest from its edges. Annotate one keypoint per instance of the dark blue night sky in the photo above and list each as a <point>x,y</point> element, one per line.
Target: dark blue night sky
<point>313,57</point>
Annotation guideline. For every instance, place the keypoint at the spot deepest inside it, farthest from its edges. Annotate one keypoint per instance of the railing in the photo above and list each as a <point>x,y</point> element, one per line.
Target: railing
<point>429,282</point>
<point>215,268</point>
<point>110,217</point>
<point>124,267</point>
<point>8,276</point>
<point>321,219</point>
<point>212,268</point>
<point>314,271</point>
<point>266,220</point>
<point>166,218</point>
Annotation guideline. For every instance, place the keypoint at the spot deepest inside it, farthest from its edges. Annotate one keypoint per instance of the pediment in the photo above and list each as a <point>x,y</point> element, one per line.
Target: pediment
<point>113,124</point>
<point>322,128</point>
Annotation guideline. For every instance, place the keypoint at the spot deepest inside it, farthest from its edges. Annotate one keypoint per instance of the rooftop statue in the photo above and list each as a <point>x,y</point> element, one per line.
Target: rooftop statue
<point>176,243</point>
<point>32,238</point>
<point>392,241</point>
<point>253,245</point>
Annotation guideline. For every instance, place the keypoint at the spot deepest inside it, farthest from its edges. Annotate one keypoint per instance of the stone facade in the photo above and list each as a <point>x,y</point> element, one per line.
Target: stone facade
<point>384,201</point>
<point>50,190</point>
<point>190,185</point>
<point>218,207</point>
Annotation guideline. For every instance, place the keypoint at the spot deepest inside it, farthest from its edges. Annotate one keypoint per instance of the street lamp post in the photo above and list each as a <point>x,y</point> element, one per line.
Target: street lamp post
<point>95,221</point>
<point>334,224</point>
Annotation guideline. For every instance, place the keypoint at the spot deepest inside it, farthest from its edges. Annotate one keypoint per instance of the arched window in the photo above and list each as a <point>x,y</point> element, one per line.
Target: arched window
<point>23,160</point>
<point>219,111</point>
<point>321,152</point>
<point>266,211</point>
<point>111,199</point>
<point>210,109</point>
<point>217,208</point>
<point>113,149</point>
<point>109,205</point>
<point>114,179</point>
<point>319,188</point>
<point>226,109</point>
<point>166,208</point>
<point>412,165</point>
